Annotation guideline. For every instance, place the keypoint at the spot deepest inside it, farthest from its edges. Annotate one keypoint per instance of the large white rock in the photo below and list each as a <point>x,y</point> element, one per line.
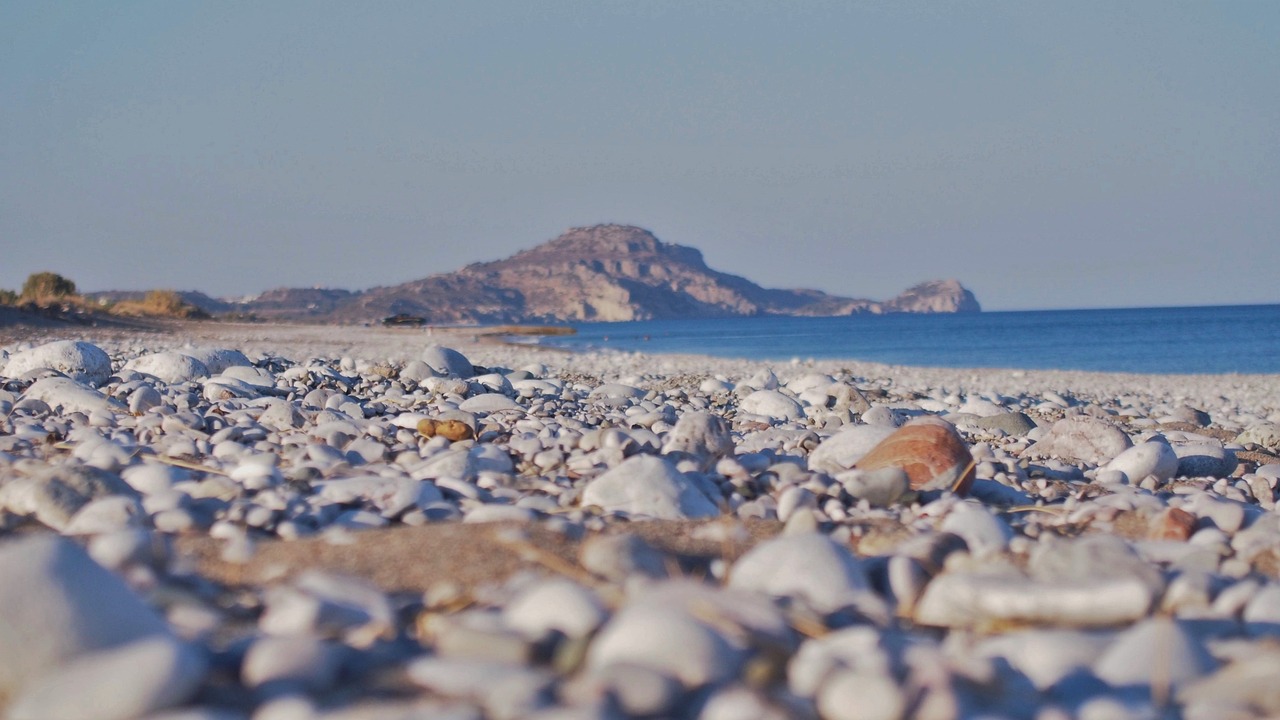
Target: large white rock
<point>842,450</point>
<point>983,532</point>
<point>1149,458</point>
<point>1094,581</point>
<point>617,391</point>
<point>473,678</point>
<point>1248,681</point>
<point>810,566</point>
<point>152,477</point>
<point>555,604</point>
<point>391,496</point>
<point>861,696</point>
<point>447,361</point>
<point>222,387</point>
<point>58,605</point>
<point>490,403</point>
<point>668,640</point>
<point>68,396</point>
<point>967,599</point>
<point>1204,458</point>
<point>53,495</point>
<point>648,486</point>
<point>1081,438</point>
<point>251,375</point>
<point>1266,434</point>
<point>1155,650</point>
<point>701,434</point>
<point>981,407</point>
<point>860,648</point>
<point>80,361</point>
<point>171,367</point>
<point>300,661</point>
<point>119,683</point>
<point>772,404</point>
<point>217,360</point>
<point>281,415</point>
<point>1046,656</point>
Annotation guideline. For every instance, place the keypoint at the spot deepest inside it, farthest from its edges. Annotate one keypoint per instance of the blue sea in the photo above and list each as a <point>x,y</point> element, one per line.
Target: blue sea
<point>1219,339</point>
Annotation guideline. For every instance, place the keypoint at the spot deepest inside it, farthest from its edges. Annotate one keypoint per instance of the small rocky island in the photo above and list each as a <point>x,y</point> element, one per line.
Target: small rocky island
<point>603,273</point>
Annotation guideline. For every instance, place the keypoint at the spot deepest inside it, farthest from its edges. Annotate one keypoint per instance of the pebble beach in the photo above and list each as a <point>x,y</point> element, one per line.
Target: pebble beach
<point>285,522</point>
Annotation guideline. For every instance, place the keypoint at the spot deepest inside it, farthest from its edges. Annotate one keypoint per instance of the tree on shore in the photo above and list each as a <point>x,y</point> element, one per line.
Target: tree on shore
<point>44,287</point>
<point>8,297</point>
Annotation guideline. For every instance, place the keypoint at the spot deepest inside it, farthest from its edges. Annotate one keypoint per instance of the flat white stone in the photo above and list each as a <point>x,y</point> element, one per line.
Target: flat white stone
<point>390,495</point>
<point>1204,458</point>
<point>490,403</point>
<point>218,360</point>
<point>281,415</point>
<point>1046,656</point>
<point>844,449</point>
<point>255,376</point>
<point>665,639</point>
<point>1155,650</point>
<point>811,381</point>
<point>648,486</point>
<point>1266,434</point>
<point>55,494</point>
<point>555,604</point>
<point>472,678</point>
<point>221,387</point>
<point>499,513</point>
<point>170,367</point>
<point>1082,438</point>
<point>985,533</point>
<point>617,391</point>
<point>152,477</point>
<point>981,407</point>
<point>861,696</point>
<point>1248,682</point>
<point>302,661</point>
<point>881,416</point>
<point>106,514</point>
<point>981,599</point>
<point>1264,610</point>
<point>711,386</point>
<point>58,605</point>
<point>117,683</point>
<point>735,702</point>
<point>809,566</point>
<point>447,361</point>
<point>1149,458</point>
<point>618,557</point>
<point>859,648</point>
<point>772,404</point>
<point>701,434</point>
<point>67,396</point>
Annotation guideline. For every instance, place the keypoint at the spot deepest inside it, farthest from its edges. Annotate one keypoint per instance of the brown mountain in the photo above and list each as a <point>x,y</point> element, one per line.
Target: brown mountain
<point>599,273</point>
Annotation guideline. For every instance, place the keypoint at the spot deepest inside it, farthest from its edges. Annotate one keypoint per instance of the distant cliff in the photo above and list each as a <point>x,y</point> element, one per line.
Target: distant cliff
<point>599,273</point>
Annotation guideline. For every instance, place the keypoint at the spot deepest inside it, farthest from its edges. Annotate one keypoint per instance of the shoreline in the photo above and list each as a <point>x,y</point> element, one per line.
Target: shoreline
<point>400,344</point>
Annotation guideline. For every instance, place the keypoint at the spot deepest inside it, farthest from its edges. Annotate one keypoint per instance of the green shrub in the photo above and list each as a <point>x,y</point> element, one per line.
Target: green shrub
<point>45,287</point>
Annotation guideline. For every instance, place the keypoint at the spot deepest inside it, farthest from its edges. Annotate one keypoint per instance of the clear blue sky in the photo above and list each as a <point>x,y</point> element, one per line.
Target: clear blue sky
<point>1064,154</point>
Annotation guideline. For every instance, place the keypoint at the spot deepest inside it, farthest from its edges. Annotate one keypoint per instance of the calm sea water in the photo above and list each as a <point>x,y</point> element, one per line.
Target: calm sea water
<point>1226,339</point>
